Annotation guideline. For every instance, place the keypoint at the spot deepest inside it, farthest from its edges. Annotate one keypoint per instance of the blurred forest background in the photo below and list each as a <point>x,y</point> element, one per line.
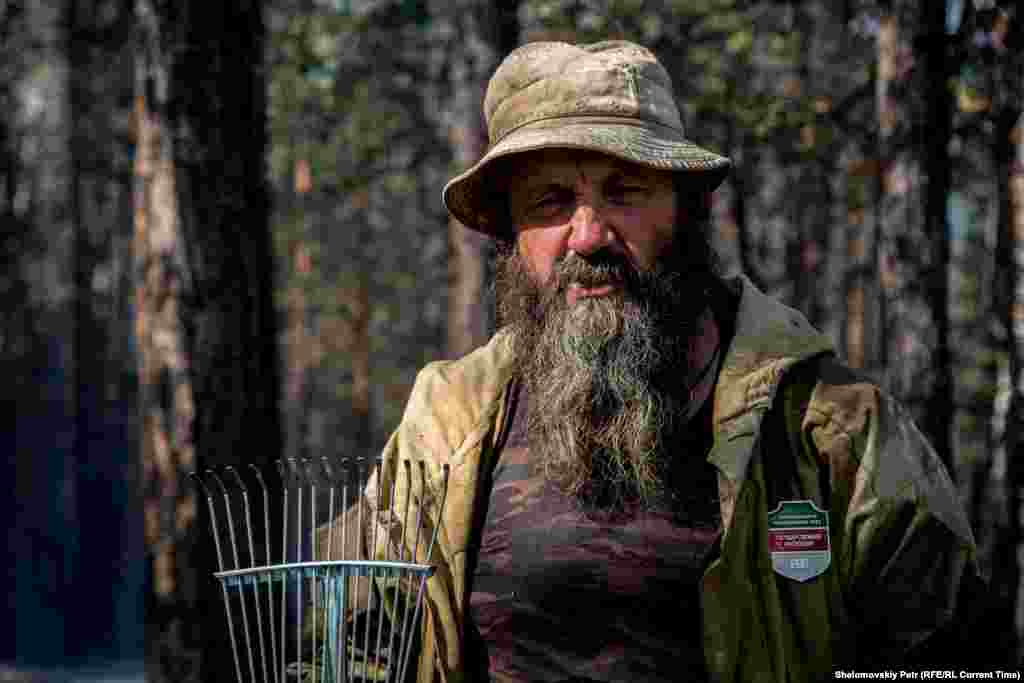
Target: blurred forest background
<point>222,241</point>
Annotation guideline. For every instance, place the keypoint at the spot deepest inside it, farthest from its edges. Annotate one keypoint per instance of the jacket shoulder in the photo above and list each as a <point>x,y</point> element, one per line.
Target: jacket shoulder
<point>451,401</point>
<point>843,400</point>
<point>875,453</point>
<point>903,544</point>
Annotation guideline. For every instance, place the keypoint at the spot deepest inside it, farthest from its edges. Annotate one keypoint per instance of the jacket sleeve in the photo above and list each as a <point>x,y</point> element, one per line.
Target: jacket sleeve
<point>907,553</point>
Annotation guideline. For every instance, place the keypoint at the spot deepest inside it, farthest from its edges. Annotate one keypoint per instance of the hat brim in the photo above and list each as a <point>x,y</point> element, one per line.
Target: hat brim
<point>655,146</point>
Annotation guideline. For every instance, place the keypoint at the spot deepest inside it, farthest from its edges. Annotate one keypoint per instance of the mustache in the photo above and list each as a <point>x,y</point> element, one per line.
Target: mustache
<point>604,267</point>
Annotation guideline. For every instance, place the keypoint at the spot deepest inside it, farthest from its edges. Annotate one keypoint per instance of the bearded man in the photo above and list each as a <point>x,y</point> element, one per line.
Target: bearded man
<point>656,474</point>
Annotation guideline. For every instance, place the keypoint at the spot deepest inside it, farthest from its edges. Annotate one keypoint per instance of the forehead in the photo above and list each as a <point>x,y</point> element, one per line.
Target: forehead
<point>566,165</point>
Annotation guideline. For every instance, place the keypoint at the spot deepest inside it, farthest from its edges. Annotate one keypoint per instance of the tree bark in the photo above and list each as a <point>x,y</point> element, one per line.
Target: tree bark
<point>166,396</point>
<point>210,368</point>
<point>938,405</point>
<point>890,205</point>
<point>362,392</point>
<point>809,254</point>
<point>1007,577</point>
<point>913,248</point>
<point>489,32</point>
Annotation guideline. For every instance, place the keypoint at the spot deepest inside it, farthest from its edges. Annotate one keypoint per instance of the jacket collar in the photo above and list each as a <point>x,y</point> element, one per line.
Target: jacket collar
<point>769,339</point>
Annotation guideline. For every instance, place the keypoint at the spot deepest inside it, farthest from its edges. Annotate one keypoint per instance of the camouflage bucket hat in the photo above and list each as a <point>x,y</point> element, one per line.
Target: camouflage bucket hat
<point>612,97</point>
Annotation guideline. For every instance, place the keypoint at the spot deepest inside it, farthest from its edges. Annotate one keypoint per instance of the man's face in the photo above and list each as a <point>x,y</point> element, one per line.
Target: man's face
<point>563,201</point>
<point>605,291</point>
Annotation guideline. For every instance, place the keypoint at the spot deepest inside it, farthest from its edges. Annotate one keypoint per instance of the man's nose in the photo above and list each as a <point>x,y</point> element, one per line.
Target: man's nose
<point>589,231</point>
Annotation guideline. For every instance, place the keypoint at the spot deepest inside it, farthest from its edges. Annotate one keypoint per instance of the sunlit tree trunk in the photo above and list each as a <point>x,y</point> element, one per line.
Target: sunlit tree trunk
<point>166,395</point>
<point>860,290</point>
<point>891,201</point>
<point>298,344</point>
<point>862,307</point>
<point>210,375</point>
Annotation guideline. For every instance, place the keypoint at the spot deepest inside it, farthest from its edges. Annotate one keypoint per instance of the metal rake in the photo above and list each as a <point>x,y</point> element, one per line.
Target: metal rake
<point>302,606</point>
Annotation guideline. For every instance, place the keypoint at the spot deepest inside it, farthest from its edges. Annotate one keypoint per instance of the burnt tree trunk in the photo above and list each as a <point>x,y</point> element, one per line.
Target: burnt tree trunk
<point>212,377</point>
<point>165,390</point>
<point>938,404</point>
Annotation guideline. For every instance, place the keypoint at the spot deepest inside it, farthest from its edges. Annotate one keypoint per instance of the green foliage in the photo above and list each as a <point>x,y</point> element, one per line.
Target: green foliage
<point>353,151</point>
<point>740,42</point>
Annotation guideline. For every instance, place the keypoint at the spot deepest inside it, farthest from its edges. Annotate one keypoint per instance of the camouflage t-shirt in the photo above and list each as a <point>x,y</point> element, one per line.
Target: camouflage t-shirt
<point>558,596</point>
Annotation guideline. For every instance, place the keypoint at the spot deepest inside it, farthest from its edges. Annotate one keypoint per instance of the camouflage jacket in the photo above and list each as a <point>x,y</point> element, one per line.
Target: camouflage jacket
<point>790,423</point>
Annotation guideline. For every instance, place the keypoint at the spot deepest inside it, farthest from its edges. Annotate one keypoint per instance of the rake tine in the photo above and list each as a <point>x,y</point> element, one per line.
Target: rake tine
<point>234,549</point>
<point>359,553</point>
<point>311,477</point>
<point>404,644</point>
<point>387,538</point>
<point>285,483</point>
<point>395,555</point>
<point>346,472</point>
<point>343,475</point>
<point>229,469</point>
<point>326,467</point>
<point>252,557</point>
<point>407,637</point>
<point>359,498</point>
<point>422,507</point>
<point>308,468</point>
<point>270,586</point>
<point>372,575</point>
<point>227,507</point>
<point>297,478</point>
<point>220,567</point>
<point>340,671</point>
<point>213,517</point>
<point>408,499</point>
<point>325,463</point>
<point>415,617</point>
<point>401,556</point>
<point>437,521</point>
<point>376,521</point>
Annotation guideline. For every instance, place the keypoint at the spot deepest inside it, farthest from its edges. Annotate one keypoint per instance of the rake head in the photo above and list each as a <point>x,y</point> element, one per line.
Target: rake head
<point>300,609</point>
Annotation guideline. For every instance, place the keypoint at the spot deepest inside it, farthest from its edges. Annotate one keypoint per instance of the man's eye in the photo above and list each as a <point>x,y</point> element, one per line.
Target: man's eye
<point>556,196</point>
<point>547,203</point>
<point>627,194</point>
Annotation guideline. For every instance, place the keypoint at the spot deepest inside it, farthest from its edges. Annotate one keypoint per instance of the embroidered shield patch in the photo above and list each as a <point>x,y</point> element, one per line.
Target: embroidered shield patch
<point>798,540</point>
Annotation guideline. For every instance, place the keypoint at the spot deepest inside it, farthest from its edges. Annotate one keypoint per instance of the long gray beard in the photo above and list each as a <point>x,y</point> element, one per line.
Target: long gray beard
<point>602,377</point>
